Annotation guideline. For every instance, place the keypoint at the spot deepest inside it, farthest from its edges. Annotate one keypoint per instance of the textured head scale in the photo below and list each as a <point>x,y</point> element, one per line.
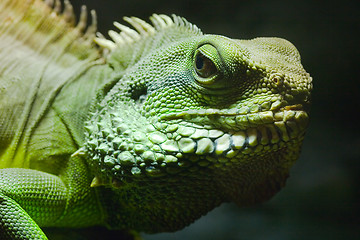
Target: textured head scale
<point>195,120</point>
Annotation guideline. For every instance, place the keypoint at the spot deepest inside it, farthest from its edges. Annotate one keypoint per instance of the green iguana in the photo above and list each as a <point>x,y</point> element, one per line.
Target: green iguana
<point>146,131</point>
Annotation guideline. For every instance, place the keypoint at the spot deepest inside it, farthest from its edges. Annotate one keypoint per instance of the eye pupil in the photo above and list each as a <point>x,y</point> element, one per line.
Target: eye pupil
<point>199,62</point>
<point>204,66</point>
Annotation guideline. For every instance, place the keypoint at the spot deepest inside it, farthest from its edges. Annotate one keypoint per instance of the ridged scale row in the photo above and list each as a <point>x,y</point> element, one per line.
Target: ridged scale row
<point>125,150</point>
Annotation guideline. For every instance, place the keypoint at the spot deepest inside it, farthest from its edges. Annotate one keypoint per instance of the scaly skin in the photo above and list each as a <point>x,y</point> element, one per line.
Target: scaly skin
<point>148,131</point>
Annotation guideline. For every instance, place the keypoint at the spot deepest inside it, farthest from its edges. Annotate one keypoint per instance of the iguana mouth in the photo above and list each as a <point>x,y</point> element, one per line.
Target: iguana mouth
<point>228,112</point>
<point>269,128</point>
<point>178,140</point>
<point>242,119</point>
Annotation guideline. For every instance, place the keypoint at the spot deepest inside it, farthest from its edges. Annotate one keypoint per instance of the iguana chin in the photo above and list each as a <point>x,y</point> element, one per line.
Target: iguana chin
<point>146,131</point>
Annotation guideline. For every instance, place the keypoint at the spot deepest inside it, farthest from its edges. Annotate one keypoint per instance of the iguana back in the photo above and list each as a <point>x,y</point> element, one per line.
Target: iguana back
<point>43,99</point>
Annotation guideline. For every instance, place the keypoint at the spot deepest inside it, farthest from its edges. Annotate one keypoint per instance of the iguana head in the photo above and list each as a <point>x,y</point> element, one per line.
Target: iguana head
<point>195,120</point>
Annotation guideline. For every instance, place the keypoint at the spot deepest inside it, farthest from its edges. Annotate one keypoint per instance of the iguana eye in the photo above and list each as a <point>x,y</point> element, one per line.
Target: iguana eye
<point>204,66</point>
<point>207,66</point>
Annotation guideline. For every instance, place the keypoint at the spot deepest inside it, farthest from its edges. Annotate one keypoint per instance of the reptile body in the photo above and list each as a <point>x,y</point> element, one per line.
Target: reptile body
<point>146,131</point>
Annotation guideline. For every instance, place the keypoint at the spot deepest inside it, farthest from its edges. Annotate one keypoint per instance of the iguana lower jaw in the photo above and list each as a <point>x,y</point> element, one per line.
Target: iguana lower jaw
<point>245,166</point>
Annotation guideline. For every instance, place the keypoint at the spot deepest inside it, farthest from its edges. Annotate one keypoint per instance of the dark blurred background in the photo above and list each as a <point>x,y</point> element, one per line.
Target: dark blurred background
<point>321,198</point>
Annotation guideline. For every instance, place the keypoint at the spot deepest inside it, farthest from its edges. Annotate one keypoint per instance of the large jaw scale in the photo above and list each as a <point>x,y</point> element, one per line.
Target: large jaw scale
<point>244,127</point>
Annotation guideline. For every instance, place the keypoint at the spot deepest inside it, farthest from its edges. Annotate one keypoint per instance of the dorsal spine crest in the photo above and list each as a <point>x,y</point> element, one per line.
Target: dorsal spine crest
<point>142,29</point>
<point>50,23</point>
<point>69,16</point>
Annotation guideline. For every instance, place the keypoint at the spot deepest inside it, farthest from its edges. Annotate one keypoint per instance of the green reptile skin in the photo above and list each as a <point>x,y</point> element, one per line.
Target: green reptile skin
<point>147,131</point>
